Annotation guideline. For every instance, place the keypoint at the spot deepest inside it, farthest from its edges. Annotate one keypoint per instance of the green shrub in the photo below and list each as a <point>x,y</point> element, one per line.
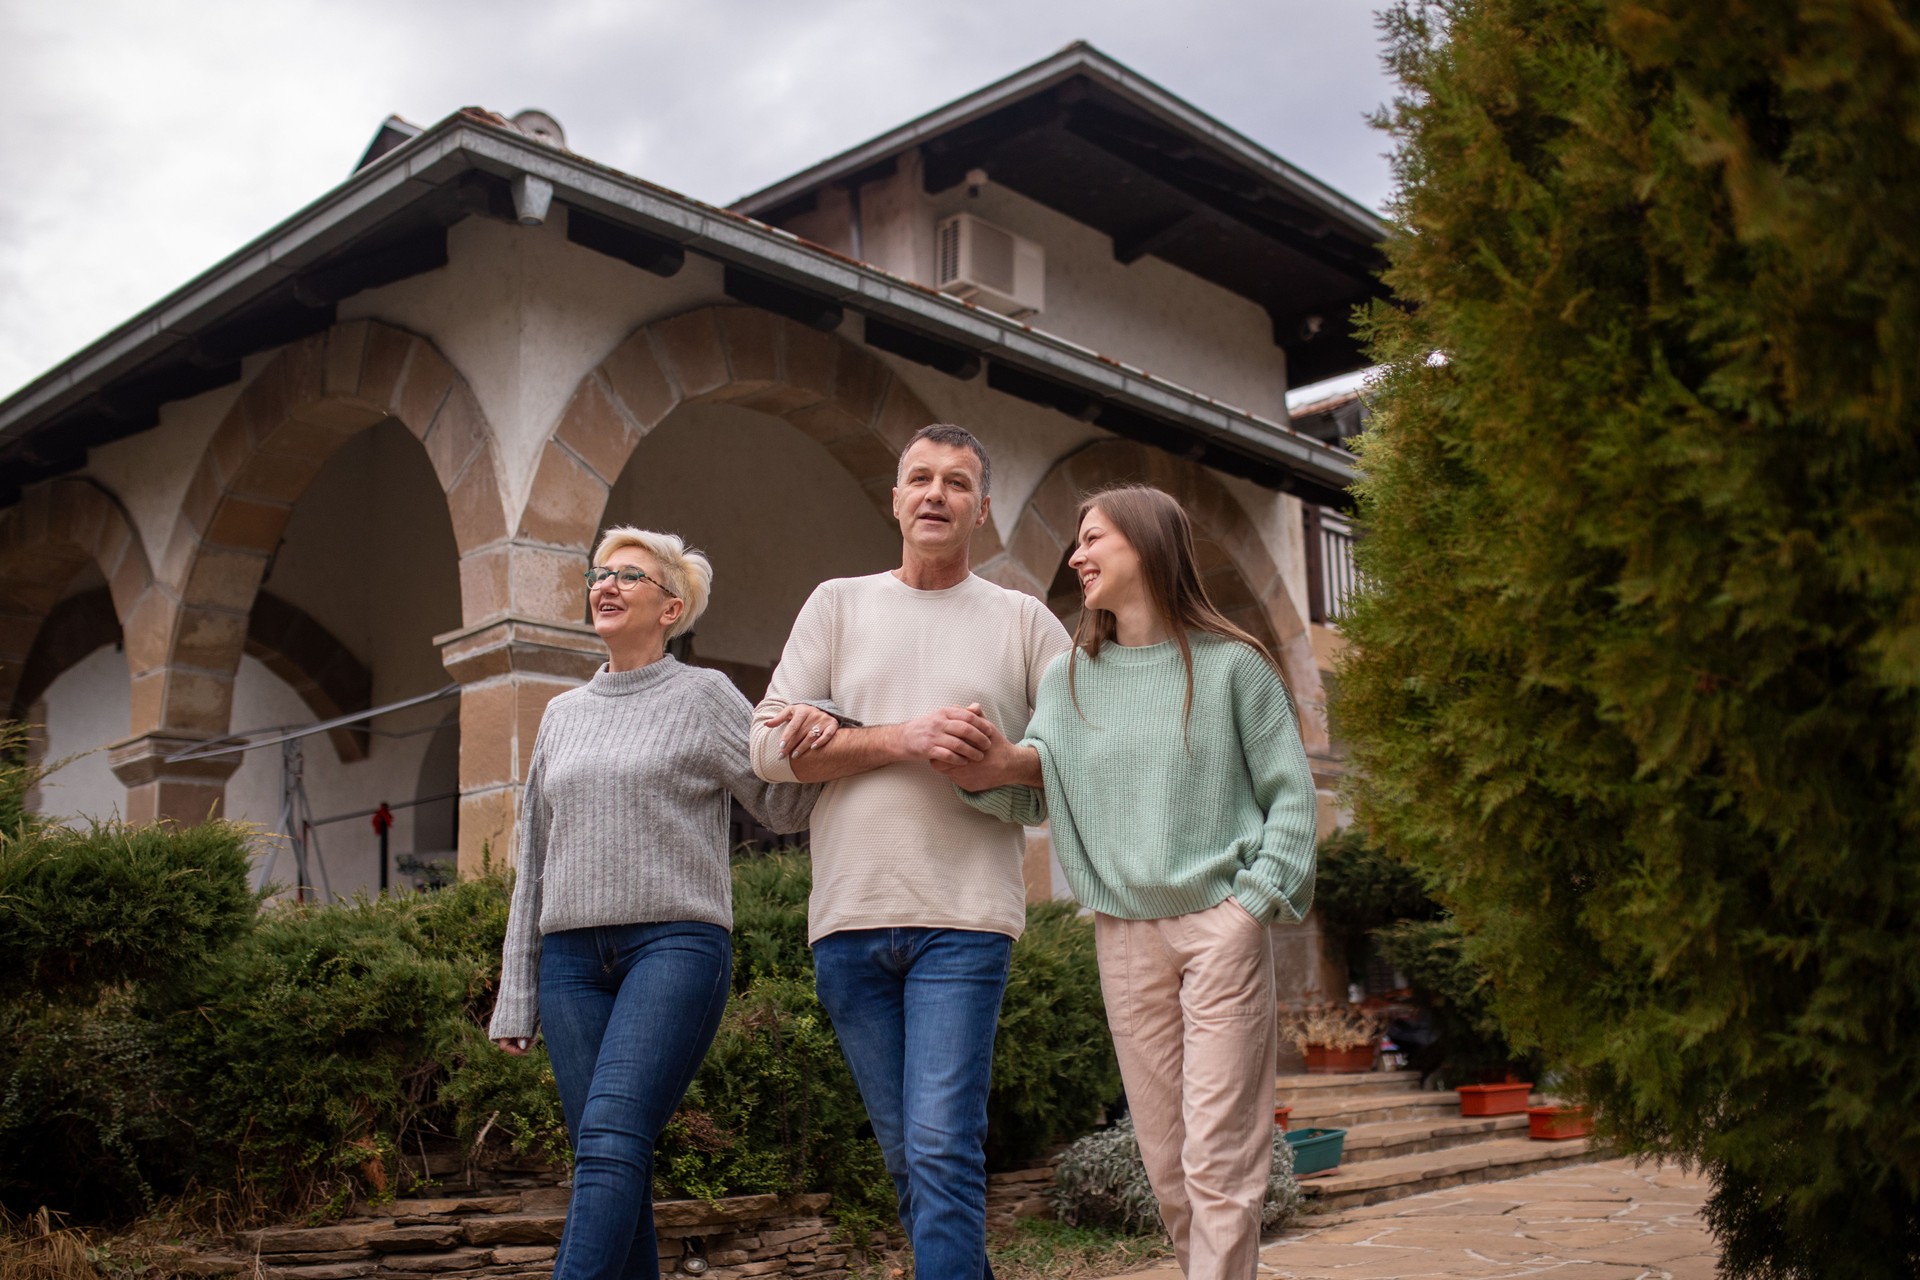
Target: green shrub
<point>299,1054</point>
<point>1101,1182</point>
<point>1359,887</point>
<point>82,909</point>
<point>770,917</point>
<point>1378,905</point>
<point>1635,680</point>
<point>90,1120</point>
<point>314,1045</point>
<point>1053,1063</point>
<point>774,1109</point>
<point>97,927</point>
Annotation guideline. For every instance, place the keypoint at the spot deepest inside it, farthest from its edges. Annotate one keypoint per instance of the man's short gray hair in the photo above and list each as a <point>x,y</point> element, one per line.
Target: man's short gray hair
<point>954,437</point>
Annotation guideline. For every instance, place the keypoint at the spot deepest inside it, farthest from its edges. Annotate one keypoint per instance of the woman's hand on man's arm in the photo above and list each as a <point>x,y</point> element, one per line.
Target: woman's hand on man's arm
<point>1001,763</point>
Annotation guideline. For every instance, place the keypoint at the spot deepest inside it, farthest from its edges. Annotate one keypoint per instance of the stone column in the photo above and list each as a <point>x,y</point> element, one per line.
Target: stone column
<point>508,668</point>
<point>185,791</point>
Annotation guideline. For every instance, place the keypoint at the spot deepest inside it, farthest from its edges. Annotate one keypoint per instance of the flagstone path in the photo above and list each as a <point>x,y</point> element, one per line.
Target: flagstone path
<point>1614,1220</point>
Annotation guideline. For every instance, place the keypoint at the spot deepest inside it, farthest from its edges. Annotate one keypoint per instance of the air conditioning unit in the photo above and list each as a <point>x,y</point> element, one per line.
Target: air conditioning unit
<point>988,266</point>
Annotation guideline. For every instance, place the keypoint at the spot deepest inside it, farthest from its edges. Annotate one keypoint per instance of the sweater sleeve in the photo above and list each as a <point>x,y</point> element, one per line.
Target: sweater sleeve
<point>1024,805</point>
<point>1046,641</point>
<point>1276,880</point>
<point>782,806</point>
<point>516,1007</point>
<point>805,674</point>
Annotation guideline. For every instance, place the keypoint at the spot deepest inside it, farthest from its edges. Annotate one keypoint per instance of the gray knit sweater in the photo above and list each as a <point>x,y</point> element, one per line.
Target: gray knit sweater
<point>624,820</point>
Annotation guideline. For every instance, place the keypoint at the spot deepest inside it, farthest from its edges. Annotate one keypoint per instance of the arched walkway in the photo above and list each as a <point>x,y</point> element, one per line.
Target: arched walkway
<point>826,387</point>
<point>1246,583</point>
<point>309,399</point>
<point>45,541</point>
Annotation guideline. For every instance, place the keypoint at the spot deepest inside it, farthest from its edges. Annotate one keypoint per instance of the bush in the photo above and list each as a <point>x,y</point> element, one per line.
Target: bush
<point>1380,906</point>
<point>1101,1182</point>
<point>96,927</point>
<point>84,909</point>
<point>1635,680</point>
<point>774,1109</point>
<point>89,1115</point>
<point>315,1045</point>
<point>300,1056</point>
<point>1053,1063</point>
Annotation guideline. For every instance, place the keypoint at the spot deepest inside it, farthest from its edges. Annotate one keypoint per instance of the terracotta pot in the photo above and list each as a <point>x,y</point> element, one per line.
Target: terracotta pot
<point>1324,1061</point>
<point>1494,1099</point>
<point>1551,1124</point>
<point>1280,1115</point>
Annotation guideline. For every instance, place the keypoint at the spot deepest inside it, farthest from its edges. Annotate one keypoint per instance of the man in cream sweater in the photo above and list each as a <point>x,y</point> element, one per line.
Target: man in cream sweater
<point>917,897</point>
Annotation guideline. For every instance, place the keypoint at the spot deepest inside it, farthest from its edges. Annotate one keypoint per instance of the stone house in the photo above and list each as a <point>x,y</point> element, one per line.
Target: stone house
<point>363,458</point>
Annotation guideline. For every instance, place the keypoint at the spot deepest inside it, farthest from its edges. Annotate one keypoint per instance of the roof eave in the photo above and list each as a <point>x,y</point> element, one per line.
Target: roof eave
<point>1075,59</point>
<point>470,141</point>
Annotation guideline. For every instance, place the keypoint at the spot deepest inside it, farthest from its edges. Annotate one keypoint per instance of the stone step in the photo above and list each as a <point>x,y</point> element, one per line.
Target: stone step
<point>1373,1108</point>
<point>1388,1139</point>
<point>1292,1089</point>
<point>1392,1178</point>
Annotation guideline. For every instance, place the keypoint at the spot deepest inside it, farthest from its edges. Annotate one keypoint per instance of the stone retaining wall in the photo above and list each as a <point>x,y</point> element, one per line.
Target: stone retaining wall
<point>512,1235</point>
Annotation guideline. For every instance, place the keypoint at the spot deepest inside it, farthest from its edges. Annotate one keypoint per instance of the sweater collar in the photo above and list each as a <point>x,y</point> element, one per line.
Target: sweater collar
<point>616,684</point>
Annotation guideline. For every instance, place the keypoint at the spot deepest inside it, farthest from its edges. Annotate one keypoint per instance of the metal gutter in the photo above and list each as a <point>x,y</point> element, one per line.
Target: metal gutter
<point>1075,59</point>
<point>468,140</point>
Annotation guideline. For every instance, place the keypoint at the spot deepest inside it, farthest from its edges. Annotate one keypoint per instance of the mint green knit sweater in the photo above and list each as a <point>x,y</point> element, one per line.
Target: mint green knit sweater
<point>1150,822</point>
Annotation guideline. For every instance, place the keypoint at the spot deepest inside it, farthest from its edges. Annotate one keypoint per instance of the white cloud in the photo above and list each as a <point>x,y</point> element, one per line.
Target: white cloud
<point>148,140</point>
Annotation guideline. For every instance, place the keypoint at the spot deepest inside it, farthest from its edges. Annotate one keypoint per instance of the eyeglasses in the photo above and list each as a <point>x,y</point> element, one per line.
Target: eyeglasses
<point>627,577</point>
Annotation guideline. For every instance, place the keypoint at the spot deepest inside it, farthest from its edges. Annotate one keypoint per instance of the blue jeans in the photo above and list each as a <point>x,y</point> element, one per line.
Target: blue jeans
<point>916,1011</point>
<point>628,1012</point>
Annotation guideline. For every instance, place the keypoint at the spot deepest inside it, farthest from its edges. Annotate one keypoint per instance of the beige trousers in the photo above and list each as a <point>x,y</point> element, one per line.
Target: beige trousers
<point>1190,1000</point>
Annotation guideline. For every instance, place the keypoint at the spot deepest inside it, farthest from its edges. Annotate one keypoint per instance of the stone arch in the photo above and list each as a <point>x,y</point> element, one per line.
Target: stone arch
<point>47,539</point>
<point>289,642</point>
<point>309,399</point>
<point>828,388</point>
<point>1249,586</point>
<point>825,386</point>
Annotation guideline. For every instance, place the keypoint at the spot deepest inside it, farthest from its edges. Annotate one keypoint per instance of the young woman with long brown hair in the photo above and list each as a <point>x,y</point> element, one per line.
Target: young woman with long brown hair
<point>1183,814</point>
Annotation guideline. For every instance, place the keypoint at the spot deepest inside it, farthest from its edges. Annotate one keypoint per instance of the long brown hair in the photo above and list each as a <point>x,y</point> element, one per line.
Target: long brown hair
<point>1157,527</point>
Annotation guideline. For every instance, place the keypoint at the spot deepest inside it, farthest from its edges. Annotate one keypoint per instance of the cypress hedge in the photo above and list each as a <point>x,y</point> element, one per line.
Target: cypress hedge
<point>1636,678</point>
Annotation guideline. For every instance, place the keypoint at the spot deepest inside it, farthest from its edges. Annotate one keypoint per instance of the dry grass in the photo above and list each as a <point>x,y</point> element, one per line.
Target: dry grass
<point>1039,1250</point>
<point>41,1246</point>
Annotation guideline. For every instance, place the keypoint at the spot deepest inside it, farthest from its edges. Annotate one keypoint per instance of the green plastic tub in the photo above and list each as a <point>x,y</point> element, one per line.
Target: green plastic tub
<point>1315,1150</point>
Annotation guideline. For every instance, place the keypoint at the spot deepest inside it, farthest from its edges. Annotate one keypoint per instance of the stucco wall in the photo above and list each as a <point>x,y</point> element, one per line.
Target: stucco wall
<point>1147,313</point>
<point>524,314</point>
<point>85,708</point>
<point>771,508</point>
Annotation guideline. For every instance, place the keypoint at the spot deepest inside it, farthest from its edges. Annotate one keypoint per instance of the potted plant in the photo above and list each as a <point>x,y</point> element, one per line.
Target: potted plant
<point>1334,1038</point>
<point>1281,1114</point>
<point>1508,1098</point>
<point>1554,1121</point>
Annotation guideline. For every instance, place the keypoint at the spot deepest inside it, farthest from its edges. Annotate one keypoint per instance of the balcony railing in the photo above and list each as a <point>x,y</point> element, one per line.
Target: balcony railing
<point>1331,576</point>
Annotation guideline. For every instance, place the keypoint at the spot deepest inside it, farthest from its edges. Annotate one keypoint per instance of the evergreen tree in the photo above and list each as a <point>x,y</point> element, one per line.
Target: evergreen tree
<point>1636,680</point>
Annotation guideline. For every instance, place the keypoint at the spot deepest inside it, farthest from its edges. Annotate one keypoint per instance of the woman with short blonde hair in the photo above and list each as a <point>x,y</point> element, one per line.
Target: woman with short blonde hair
<point>618,945</point>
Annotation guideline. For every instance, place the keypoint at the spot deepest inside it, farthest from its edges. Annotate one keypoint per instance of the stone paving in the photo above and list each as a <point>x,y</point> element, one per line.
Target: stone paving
<point>1614,1220</point>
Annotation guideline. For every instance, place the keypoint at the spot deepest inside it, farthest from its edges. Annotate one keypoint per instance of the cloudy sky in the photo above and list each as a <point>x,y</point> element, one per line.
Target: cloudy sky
<point>146,139</point>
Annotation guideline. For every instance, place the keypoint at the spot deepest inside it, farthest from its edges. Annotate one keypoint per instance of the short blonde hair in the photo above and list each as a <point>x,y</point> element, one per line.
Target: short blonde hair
<point>684,570</point>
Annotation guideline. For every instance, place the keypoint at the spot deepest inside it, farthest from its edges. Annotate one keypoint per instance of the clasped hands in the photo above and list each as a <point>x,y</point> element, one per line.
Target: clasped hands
<point>959,742</point>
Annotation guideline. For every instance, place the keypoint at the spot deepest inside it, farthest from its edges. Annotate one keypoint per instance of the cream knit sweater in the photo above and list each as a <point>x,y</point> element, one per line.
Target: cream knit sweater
<point>896,847</point>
